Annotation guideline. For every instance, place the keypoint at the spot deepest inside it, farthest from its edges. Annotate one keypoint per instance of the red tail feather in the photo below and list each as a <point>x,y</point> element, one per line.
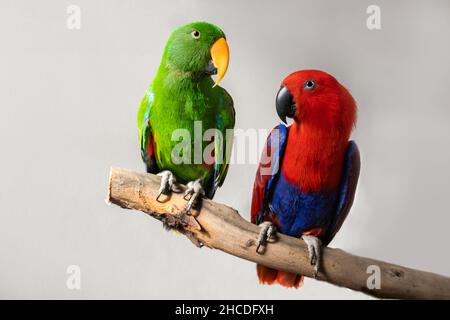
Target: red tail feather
<point>271,276</point>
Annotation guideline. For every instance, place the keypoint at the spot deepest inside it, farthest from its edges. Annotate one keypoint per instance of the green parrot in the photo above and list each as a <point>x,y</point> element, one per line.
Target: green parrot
<point>184,102</point>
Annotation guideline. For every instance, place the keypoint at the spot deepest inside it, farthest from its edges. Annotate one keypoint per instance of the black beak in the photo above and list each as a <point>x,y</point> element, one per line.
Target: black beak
<point>211,69</point>
<point>285,104</point>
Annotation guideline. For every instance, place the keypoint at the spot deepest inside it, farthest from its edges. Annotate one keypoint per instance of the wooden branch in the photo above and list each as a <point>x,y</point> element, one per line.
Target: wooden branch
<point>221,227</point>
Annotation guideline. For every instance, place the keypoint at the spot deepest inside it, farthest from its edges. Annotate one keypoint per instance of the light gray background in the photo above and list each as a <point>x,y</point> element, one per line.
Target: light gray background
<point>68,109</point>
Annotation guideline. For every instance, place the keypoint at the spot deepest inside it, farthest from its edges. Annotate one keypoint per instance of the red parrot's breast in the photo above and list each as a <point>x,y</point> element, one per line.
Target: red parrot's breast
<point>313,160</point>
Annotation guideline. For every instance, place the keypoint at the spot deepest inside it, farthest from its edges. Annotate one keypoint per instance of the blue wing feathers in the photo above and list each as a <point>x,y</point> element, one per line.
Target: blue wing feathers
<point>350,176</point>
<point>264,181</point>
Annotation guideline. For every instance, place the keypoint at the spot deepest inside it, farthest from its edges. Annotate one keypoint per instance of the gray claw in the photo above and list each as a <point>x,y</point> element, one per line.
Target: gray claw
<point>314,245</point>
<point>268,230</point>
<point>194,191</point>
<point>168,183</point>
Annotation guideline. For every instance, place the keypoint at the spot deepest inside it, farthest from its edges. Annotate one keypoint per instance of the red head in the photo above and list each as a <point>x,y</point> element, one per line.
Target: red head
<point>318,101</point>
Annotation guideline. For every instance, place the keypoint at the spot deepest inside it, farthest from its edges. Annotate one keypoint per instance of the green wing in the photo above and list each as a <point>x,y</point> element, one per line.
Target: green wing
<point>145,132</point>
<point>225,123</point>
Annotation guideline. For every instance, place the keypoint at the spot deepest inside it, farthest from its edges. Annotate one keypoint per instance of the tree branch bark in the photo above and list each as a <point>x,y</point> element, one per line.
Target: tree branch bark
<point>221,227</point>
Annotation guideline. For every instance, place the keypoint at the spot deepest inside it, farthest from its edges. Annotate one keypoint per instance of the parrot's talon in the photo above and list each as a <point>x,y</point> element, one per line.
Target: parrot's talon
<point>314,245</point>
<point>267,232</point>
<point>194,191</point>
<point>168,183</point>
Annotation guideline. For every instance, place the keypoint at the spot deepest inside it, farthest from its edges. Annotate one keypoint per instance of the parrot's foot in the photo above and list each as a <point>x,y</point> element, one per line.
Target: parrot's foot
<point>268,231</point>
<point>314,244</point>
<point>193,192</point>
<point>168,183</point>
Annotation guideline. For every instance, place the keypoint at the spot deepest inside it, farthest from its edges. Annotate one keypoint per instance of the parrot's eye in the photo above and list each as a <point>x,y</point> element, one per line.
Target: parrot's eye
<point>309,85</point>
<point>195,34</point>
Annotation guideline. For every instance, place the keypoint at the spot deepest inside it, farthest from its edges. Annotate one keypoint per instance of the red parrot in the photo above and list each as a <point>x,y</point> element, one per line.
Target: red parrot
<point>307,187</point>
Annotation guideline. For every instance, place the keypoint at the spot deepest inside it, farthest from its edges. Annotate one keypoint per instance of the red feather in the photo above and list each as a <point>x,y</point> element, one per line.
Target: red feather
<point>315,149</point>
<point>319,135</point>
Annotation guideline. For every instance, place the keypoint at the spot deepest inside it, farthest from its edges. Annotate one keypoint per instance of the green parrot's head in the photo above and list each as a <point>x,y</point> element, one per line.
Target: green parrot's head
<point>199,48</point>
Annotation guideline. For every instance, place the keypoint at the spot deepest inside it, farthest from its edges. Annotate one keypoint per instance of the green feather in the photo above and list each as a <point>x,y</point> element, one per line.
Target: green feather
<point>180,94</point>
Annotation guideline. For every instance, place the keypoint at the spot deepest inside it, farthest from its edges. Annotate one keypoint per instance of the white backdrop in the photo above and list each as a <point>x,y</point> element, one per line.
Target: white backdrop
<point>68,109</point>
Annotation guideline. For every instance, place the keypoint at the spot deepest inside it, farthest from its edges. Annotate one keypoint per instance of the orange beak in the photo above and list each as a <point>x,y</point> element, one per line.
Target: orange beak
<point>220,54</point>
